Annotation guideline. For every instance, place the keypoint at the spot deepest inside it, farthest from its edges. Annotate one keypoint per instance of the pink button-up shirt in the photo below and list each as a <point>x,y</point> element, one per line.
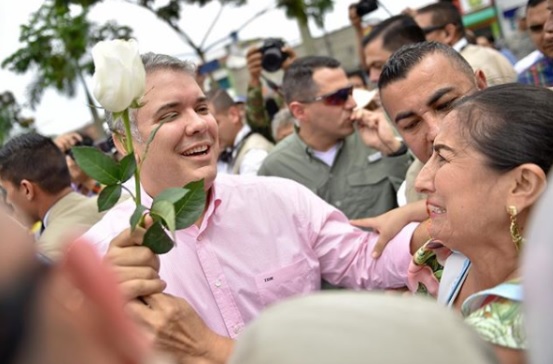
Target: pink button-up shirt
<point>264,239</point>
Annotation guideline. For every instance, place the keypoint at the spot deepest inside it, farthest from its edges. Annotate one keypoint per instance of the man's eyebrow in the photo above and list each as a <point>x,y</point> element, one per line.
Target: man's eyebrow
<point>431,100</point>
<point>438,95</point>
<point>403,115</point>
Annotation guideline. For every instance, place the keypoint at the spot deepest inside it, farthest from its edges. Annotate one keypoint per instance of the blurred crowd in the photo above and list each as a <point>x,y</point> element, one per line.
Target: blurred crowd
<point>412,192</point>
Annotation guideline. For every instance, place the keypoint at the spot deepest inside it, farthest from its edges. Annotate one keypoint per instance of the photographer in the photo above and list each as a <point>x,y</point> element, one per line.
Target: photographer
<point>256,114</point>
<point>80,181</point>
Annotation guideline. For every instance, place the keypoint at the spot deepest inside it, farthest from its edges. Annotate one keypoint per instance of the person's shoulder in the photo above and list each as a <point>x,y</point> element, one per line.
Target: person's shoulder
<point>283,153</point>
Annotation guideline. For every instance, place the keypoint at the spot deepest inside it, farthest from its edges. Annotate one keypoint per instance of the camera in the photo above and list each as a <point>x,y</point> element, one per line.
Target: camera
<point>364,7</point>
<point>273,57</point>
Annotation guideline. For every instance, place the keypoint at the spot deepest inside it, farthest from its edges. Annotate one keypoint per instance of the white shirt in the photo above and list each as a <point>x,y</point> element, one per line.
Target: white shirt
<point>252,159</point>
<point>528,61</point>
<point>328,156</point>
<point>461,43</point>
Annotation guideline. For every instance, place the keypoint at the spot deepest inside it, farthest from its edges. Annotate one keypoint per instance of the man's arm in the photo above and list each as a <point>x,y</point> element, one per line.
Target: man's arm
<point>390,224</point>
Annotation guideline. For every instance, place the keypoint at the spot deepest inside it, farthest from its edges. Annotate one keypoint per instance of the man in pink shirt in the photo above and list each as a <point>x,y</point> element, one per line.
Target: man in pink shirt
<point>259,240</point>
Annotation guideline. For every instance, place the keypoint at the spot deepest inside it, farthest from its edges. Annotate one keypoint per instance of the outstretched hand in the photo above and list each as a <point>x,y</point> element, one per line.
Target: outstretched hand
<point>392,222</point>
<point>175,328</point>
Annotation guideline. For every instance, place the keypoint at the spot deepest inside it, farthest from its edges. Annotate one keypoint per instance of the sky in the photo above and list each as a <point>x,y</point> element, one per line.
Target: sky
<point>57,114</point>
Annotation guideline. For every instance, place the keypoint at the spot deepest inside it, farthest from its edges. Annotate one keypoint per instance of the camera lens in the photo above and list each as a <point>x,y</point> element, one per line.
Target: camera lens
<point>366,6</point>
<point>272,60</point>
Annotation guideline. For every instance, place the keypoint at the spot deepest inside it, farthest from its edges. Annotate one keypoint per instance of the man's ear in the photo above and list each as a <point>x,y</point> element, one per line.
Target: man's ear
<point>481,81</point>
<point>450,31</point>
<point>119,140</point>
<point>28,188</point>
<point>235,116</point>
<point>528,185</point>
<point>297,109</point>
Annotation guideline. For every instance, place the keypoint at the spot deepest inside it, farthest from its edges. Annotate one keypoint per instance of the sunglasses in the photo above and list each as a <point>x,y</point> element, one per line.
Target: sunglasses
<point>335,98</point>
<point>537,28</point>
<point>433,28</point>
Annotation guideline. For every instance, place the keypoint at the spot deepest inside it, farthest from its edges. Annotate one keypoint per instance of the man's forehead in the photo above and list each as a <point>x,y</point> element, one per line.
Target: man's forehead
<point>423,19</point>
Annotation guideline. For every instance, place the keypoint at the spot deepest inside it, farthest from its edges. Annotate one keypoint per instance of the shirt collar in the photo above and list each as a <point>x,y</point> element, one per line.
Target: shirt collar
<point>461,44</point>
<point>242,134</point>
<point>213,195</point>
<point>308,150</point>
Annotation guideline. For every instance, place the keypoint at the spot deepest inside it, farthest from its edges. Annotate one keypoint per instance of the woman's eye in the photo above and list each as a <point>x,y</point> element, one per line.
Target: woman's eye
<point>440,158</point>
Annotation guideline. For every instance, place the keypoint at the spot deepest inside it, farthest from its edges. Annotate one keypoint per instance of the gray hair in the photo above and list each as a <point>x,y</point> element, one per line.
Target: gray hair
<point>282,119</point>
<point>152,62</point>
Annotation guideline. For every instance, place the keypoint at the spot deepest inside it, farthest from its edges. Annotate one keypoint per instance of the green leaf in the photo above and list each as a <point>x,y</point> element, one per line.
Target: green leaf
<point>136,216</point>
<point>166,211</point>
<point>97,165</point>
<point>189,208</point>
<point>171,194</point>
<point>127,167</point>
<point>109,197</point>
<point>157,239</point>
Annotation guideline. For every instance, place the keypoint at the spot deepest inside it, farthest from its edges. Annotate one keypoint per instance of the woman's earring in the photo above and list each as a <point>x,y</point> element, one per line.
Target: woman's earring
<point>516,236</point>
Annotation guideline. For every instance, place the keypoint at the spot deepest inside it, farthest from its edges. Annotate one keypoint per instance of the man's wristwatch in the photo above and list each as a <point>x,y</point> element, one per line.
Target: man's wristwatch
<point>401,150</point>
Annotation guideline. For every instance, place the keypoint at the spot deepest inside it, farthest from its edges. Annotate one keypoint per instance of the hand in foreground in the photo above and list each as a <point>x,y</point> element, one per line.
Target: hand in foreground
<point>390,223</point>
<point>175,328</point>
<point>375,131</point>
<point>136,266</point>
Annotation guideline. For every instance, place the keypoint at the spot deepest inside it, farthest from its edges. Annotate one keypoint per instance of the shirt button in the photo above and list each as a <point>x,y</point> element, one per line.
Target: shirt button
<point>217,283</point>
<point>237,329</point>
<point>200,237</point>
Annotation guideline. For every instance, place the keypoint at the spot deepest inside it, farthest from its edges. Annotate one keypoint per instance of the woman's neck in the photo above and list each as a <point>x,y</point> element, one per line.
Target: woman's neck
<point>490,267</point>
<point>493,265</point>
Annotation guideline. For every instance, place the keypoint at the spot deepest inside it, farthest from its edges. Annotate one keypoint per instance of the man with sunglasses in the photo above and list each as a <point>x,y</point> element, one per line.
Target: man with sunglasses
<point>442,22</point>
<point>540,73</point>
<point>357,172</point>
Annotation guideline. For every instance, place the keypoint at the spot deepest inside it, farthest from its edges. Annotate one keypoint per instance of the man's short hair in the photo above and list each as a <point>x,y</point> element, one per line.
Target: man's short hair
<point>36,158</point>
<point>533,3</point>
<point>282,119</point>
<point>407,57</point>
<point>220,99</point>
<point>152,62</point>
<point>396,32</point>
<point>444,13</point>
<point>298,83</point>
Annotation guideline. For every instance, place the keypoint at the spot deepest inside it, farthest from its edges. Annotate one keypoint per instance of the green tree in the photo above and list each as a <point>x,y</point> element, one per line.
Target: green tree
<point>10,116</point>
<point>302,11</point>
<point>56,43</point>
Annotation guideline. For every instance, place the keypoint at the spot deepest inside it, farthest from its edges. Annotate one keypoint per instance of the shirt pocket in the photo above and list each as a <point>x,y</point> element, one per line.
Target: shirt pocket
<point>369,193</point>
<point>276,285</point>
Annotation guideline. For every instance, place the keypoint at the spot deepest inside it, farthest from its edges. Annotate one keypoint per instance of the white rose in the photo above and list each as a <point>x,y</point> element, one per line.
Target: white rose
<point>119,75</point>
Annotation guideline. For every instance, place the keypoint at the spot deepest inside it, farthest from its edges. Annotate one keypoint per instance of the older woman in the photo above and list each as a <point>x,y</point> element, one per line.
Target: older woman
<point>489,166</point>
